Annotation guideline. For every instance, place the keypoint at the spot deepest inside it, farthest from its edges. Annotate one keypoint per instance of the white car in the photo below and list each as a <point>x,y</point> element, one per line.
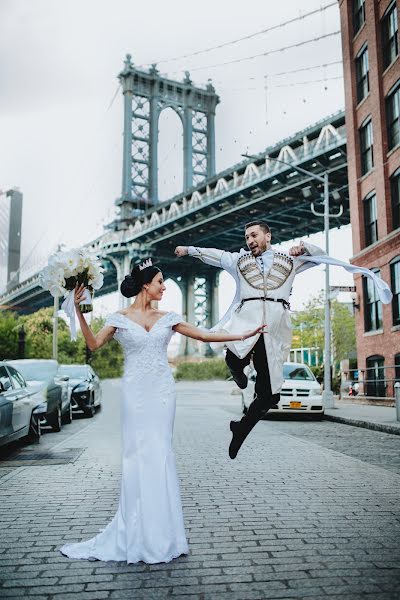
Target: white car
<point>301,393</point>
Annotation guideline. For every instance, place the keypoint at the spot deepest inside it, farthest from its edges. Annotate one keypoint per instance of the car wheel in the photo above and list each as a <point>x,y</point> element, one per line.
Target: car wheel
<point>35,430</point>
<point>57,423</point>
<point>90,410</point>
<point>68,415</point>
<point>317,417</point>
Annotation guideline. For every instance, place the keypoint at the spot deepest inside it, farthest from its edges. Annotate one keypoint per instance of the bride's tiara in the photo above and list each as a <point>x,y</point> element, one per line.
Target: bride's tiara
<point>145,264</point>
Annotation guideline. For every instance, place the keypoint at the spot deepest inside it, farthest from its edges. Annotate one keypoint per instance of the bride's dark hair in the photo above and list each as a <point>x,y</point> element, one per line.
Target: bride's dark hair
<point>133,283</point>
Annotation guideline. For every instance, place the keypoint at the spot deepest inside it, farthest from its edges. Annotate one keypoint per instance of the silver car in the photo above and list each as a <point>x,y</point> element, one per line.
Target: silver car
<point>21,407</point>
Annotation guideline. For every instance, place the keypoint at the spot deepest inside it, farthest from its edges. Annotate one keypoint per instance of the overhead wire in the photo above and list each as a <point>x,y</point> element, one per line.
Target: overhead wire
<point>269,52</point>
<point>309,81</point>
<point>246,37</point>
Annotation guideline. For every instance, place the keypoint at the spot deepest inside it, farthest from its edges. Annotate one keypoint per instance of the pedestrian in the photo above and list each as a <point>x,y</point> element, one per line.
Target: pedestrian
<point>148,525</point>
<point>264,279</point>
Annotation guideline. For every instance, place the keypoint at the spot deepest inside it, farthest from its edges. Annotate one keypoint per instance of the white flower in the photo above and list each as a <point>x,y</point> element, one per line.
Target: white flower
<point>63,265</point>
<point>97,282</point>
<point>70,262</point>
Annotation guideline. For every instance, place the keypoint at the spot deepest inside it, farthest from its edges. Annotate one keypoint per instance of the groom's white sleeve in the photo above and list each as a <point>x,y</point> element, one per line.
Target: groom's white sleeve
<point>216,258</point>
<point>310,250</point>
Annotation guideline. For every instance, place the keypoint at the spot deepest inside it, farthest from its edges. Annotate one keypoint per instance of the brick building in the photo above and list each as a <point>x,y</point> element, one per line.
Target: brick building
<point>372,96</point>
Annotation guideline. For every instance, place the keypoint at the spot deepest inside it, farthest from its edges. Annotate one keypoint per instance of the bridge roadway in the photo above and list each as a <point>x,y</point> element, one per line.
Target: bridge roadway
<point>213,214</point>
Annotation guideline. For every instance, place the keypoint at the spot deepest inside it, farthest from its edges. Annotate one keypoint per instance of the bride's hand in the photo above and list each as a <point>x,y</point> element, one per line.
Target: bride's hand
<point>79,294</point>
<point>248,334</point>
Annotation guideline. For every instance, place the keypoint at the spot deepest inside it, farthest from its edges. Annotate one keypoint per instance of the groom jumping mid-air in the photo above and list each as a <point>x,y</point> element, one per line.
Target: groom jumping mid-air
<point>264,279</point>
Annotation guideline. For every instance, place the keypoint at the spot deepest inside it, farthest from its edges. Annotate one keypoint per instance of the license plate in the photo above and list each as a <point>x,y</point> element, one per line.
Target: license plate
<point>295,405</point>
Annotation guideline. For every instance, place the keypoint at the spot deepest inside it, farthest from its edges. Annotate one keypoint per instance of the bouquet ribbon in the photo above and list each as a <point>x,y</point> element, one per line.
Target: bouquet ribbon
<point>68,307</point>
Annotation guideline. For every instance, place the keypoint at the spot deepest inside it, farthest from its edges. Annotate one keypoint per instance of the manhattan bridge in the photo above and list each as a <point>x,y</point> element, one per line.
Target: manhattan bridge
<point>213,207</point>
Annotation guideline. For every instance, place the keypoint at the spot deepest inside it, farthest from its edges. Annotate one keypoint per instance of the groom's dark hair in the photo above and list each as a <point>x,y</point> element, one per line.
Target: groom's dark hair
<point>264,226</point>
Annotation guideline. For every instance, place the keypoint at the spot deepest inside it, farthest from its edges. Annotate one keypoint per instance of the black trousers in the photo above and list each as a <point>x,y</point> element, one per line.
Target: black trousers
<point>264,399</point>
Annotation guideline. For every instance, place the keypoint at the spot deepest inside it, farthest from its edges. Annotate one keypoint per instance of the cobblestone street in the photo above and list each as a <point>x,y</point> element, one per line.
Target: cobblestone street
<point>308,509</point>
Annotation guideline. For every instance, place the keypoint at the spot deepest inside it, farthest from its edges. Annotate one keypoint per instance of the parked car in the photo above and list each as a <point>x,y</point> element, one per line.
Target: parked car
<point>85,388</point>
<point>41,374</point>
<point>21,407</point>
<point>301,393</point>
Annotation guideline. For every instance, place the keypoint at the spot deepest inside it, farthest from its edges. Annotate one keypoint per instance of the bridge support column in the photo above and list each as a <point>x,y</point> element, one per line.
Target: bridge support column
<point>212,309</point>
<point>199,307</point>
<point>188,346</point>
<point>122,265</point>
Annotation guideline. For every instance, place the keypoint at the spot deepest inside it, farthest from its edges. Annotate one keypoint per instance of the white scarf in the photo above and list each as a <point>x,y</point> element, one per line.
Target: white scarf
<point>384,291</point>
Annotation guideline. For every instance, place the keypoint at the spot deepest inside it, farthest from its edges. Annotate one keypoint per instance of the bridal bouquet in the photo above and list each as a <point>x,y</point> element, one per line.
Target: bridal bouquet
<point>64,271</point>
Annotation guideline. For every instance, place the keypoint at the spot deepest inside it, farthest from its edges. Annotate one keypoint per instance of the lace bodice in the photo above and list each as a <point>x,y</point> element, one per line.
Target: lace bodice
<point>145,351</point>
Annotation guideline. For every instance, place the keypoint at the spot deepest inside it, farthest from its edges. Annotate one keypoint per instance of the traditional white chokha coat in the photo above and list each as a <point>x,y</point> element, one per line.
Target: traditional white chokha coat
<point>251,282</point>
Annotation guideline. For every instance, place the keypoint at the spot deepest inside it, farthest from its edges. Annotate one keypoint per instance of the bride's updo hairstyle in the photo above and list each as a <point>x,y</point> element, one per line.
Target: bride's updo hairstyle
<point>141,274</point>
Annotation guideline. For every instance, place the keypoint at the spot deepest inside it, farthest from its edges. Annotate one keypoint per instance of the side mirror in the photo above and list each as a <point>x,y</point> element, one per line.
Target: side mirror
<point>5,385</point>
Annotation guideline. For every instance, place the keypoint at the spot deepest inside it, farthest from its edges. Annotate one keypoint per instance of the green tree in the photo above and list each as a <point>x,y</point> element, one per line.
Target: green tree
<point>108,360</point>
<point>9,326</point>
<point>309,328</point>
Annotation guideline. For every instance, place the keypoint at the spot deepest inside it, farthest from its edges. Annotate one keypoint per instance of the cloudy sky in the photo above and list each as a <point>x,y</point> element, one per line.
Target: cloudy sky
<point>61,114</point>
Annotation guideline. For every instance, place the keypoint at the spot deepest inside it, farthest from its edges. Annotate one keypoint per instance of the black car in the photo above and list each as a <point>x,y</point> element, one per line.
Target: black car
<point>21,407</point>
<point>41,374</point>
<point>85,387</point>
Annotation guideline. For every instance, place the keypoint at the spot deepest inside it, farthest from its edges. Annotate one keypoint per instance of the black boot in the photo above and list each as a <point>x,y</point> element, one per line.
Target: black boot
<point>241,429</point>
<point>240,379</point>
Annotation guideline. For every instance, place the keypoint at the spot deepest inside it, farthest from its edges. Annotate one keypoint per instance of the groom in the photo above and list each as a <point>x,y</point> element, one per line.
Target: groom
<point>264,279</point>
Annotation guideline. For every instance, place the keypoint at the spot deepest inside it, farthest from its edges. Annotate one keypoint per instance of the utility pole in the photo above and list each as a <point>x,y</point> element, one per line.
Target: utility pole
<point>55,327</point>
<point>328,394</point>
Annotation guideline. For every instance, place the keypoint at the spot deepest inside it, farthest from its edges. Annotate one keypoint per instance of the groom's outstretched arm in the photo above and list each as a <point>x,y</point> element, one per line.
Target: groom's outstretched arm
<point>211,256</point>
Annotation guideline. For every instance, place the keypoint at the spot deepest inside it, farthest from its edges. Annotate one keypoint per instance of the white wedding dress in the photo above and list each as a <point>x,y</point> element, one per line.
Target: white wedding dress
<point>148,525</point>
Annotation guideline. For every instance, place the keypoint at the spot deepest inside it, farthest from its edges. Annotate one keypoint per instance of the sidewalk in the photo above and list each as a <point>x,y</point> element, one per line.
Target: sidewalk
<point>379,418</point>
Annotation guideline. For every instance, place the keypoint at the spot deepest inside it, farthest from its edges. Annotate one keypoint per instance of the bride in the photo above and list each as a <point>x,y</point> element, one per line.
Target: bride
<point>148,525</point>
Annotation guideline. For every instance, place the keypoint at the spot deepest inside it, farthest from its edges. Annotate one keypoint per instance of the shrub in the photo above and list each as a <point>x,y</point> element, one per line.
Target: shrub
<point>212,368</point>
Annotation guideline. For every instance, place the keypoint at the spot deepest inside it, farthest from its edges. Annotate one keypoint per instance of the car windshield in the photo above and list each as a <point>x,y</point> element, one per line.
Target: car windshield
<point>73,371</point>
<point>297,372</point>
<point>37,371</point>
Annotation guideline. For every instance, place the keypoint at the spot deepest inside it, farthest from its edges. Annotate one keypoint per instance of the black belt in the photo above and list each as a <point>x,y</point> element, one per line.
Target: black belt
<point>285,303</point>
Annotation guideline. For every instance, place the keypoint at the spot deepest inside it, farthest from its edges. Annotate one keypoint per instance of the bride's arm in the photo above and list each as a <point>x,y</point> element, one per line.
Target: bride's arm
<point>205,336</point>
<point>94,342</point>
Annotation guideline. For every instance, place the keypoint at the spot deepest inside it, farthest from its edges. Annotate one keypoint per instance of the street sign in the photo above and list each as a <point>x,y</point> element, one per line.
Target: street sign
<point>342,288</point>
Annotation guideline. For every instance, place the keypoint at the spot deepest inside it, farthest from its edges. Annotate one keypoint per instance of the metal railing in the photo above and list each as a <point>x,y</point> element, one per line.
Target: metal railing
<point>375,382</point>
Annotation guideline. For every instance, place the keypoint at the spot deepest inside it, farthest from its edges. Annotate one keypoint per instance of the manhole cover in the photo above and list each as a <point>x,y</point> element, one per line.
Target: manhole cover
<point>42,457</point>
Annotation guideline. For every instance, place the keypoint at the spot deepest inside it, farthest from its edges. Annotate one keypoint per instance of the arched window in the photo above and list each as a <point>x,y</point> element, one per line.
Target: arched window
<point>375,383</point>
<point>397,368</point>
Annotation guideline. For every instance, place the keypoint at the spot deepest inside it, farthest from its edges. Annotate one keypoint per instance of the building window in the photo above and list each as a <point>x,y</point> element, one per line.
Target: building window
<point>370,219</point>
<point>390,38</point>
<point>393,117</point>
<point>375,377</point>
<point>358,15</point>
<point>395,194</point>
<point>397,368</point>
<point>372,305</point>
<point>366,147</point>
<point>395,281</point>
<point>362,74</point>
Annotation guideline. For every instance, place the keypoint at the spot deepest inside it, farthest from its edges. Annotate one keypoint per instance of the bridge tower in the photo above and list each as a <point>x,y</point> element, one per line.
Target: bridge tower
<point>146,95</point>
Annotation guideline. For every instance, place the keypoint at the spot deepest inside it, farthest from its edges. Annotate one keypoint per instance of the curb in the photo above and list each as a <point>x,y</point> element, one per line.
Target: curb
<point>365,424</point>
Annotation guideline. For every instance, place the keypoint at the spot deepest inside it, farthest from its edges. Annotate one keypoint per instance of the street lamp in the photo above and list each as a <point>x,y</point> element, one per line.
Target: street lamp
<point>328,394</point>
